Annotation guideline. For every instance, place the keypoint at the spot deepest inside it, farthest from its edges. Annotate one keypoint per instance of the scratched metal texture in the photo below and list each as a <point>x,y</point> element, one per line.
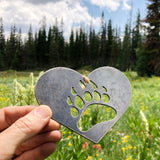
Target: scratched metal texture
<point>55,86</point>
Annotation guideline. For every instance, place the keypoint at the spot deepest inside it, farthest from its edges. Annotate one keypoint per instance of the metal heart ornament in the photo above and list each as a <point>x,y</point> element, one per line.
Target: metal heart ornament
<point>55,86</point>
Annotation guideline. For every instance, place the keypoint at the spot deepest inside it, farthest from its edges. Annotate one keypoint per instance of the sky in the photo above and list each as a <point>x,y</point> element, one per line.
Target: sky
<point>74,13</point>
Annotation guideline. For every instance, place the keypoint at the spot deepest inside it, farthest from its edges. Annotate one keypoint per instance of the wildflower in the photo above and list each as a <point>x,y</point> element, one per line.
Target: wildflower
<point>129,158</point>
<point>125,139</point>
<point>63,132</point>
<point>108,109</point>
<point>95,146</point>
<point>114,141</point>
<point>69,136</point>
<point>98,147</point>
<point>89,157</point>
<point>145,123</point>
<point>130,147</point>
<point>69,132</point>
<point>147,149</point>
<point>85,145</point>
<point>122,134</point>
<point>69,144</point>
<point>110,130</point>
<point>97,155</point>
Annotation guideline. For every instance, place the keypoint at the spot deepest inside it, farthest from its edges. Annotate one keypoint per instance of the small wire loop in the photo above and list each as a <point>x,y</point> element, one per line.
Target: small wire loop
<point>86,79</point>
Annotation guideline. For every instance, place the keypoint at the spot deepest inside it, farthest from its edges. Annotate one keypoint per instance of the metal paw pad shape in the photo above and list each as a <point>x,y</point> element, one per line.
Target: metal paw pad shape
<point>59,87</point>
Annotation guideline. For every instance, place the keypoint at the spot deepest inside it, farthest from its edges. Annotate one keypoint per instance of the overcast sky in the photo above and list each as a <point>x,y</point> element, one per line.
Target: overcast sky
<point>24,13</point>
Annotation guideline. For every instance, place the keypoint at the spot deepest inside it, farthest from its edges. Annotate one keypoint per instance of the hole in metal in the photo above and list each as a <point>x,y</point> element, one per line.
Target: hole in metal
<point>79,102</point>
<point>87,97</point>
<point>104,89</point>
<point>93,85</point>
<point>94,114</point>
<point>96,96</point>
<point>74,112</point>
<point>73,91</point>
<point>69,101</point>
<point>105,98</point>
<point>82,85</point>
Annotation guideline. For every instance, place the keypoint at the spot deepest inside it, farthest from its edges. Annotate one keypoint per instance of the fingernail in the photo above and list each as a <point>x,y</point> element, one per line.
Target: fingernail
<point>42,112</point>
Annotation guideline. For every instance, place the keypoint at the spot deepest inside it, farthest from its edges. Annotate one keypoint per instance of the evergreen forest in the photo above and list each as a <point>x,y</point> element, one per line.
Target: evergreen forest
<point>137,50</point>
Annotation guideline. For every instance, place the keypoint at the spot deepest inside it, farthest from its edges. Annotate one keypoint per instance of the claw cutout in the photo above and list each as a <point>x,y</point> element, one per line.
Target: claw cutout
<point>70,96</point>
<point>73,91</point>
<point>74,112</point>
<point>87,96</point>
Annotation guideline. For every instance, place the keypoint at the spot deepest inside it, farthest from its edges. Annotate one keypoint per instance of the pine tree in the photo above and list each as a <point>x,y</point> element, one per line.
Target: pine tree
<point>93,47</point>
<point>81,47</point>
<point>54,56</point>
<point>136,40</point>
<point>110,52</point>
<point>2,45</point>
<point>127,48</point>
<point>153,37</point>
<point>41,48</point>
<point>29,57</point>
<point>119,52</point>
<point>11,47</point>
<point>116,50</point>
<point>17,62</point>
<point>61,45</point>
<point>77,52</point>
<point>104,56</point>
<point>72,53</point>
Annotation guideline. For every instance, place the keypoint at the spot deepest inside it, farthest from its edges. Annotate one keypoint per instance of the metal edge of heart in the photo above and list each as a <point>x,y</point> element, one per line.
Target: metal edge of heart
<point>96,133</point>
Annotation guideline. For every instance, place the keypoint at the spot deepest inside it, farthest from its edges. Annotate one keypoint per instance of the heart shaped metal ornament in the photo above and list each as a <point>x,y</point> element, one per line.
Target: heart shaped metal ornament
<point>55,86</point>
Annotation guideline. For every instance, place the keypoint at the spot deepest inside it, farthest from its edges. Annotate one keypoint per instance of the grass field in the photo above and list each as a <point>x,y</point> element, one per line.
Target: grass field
<point>136,136</point>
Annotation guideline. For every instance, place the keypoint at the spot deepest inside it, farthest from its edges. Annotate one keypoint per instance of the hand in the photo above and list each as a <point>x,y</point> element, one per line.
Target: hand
<point>27,133</point>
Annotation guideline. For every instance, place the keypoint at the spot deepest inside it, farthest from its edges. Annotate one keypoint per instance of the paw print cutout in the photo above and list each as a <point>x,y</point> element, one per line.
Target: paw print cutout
<point>73,97</point>
<point>91,106</point>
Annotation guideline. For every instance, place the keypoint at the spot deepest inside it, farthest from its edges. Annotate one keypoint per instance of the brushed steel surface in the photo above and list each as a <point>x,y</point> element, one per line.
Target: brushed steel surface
<point>54,88</point>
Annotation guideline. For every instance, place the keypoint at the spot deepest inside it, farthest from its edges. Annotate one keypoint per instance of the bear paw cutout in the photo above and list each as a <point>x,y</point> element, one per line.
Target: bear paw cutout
<point>80,103</point>
<point>89,105</point>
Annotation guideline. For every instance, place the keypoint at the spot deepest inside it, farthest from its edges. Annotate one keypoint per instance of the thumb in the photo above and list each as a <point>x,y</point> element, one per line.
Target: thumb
<point>25,128</point>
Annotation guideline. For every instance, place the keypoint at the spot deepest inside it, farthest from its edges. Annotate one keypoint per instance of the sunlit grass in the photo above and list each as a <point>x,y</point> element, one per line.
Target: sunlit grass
<point>136,136</point>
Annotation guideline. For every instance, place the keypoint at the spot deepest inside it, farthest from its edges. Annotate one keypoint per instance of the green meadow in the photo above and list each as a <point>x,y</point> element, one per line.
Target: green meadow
<point>136,136</point>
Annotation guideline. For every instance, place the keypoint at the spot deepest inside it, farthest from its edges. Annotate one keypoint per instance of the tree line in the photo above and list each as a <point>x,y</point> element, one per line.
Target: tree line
<point>137,50</point>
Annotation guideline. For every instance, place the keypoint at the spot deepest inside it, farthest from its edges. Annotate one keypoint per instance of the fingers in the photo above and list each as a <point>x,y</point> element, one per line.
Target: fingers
<point>53,136</point>
<point>9,115</point>
<point>52,125</point>
<point>24,128</point>
<point>39,153</point>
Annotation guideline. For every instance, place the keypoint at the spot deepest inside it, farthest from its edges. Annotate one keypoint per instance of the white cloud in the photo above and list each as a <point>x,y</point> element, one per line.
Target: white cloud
<point>24,12</point>
<point>125,5</point>
<point>112,5</point>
